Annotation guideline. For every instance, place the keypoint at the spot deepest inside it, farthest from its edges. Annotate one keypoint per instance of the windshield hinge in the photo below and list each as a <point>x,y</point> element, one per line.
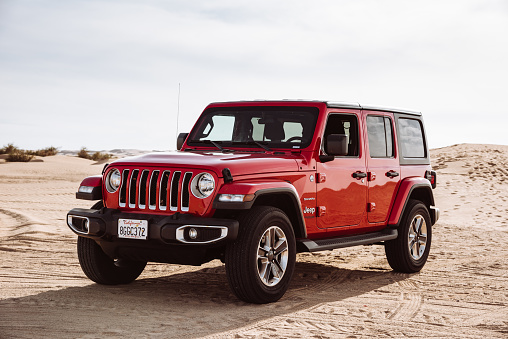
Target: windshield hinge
<point>226,173</point>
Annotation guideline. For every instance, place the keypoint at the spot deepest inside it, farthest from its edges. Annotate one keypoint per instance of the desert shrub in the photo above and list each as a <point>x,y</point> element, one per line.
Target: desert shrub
<point>45,152</point>
<point>10,148</point>
<point>97,156</point>
<point>19,156</point>
<point>83,153</point>
<point>17,152</point>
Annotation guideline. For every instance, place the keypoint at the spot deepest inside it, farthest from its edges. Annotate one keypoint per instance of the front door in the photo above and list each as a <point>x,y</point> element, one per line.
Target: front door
<point>382,166</point>
<point>341,195</point>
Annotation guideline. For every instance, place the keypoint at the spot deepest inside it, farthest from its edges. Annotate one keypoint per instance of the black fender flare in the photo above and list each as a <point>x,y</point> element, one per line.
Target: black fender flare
<point>297,218</point>
<point>407,192</point>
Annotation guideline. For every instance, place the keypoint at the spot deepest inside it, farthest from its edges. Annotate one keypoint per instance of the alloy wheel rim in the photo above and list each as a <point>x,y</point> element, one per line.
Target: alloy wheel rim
<point>272,257</point>
<point>417,237</point>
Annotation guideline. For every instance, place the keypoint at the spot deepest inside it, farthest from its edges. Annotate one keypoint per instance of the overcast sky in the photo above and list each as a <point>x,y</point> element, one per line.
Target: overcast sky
<point>105,74</point>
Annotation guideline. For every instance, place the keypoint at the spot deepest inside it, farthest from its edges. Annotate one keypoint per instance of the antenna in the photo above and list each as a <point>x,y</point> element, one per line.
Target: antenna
<point>178,111</point>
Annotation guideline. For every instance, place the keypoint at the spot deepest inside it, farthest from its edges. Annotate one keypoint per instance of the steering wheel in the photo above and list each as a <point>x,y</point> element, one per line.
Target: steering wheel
<point>294,138</point>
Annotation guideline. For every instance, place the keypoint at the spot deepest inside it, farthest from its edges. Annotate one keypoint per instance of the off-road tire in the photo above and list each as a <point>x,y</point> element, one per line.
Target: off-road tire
<point>243,264</point>
<point>102,269</point>
<point>398,252</point>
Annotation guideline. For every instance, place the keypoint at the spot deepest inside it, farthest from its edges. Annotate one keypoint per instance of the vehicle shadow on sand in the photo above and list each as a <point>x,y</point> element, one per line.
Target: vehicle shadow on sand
<point>189,304</point>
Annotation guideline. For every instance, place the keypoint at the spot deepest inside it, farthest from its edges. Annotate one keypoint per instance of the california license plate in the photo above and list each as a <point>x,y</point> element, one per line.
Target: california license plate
<point>132,229</point>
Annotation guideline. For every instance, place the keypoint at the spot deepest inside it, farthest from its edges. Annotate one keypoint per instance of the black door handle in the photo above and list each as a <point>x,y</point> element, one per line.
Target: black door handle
<point>392,174</point>
<point>358,175</point>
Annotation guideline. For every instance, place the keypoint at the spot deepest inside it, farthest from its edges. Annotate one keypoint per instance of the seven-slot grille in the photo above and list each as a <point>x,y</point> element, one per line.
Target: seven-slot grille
<point>159,190</point>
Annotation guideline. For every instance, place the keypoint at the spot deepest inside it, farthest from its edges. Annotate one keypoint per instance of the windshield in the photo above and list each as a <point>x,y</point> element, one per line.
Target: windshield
<point>272,127</point>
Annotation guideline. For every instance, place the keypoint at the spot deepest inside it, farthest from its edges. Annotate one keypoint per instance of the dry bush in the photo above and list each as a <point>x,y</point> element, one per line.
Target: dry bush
<point>19,156</point>
<point>83,153</point>
<point>10,148</point>
<point>20,153</point>
<point>97,156</point>
<point>45,152</point>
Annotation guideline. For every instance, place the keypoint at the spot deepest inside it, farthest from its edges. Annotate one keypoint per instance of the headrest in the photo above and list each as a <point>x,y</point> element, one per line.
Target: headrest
<point>274,131</point>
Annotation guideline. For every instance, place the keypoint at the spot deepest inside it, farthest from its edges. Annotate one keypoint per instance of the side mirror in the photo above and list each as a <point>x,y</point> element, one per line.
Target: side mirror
<point>180,140</point>
<point>336,144</point>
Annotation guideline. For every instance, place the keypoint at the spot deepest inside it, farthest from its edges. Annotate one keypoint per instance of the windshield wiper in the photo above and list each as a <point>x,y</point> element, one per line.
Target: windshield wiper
<point>215,143</point>
<point>253,142</point>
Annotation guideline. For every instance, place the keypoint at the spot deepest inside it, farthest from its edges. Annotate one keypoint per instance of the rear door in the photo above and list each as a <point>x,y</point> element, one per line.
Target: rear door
<point>383,169</point>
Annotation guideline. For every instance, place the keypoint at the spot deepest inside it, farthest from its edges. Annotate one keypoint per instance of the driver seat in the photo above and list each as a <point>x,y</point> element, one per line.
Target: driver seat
<point>274,131</point>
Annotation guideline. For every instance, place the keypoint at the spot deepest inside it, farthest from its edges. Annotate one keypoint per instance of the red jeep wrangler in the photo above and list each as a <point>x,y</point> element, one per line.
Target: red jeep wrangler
<point>253,184</point>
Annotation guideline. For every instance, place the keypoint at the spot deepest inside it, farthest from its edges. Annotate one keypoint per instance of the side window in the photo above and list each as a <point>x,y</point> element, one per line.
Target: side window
<point>344,124</point>
<point>379,130</point>
<point>411,138</point>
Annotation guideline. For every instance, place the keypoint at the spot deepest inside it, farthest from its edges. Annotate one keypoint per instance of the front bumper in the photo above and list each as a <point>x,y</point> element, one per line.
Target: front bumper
<point>167,240</point>
<point>164,229</point>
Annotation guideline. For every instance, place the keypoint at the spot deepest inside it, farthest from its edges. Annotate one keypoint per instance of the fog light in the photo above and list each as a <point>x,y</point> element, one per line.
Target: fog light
<point>193,234</point>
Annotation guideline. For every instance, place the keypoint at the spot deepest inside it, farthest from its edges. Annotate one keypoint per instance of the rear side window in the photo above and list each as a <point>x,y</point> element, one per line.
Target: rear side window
<point>411,138</point>
<point>379,130</point>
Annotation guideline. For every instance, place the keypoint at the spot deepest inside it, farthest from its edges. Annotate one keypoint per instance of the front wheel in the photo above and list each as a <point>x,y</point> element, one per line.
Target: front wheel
<point>101,268</point>
<point>408,253</point>
<point>260,263</point>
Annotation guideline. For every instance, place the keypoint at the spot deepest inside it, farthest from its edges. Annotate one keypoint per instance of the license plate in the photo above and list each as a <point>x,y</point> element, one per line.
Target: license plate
<point>132,229</point>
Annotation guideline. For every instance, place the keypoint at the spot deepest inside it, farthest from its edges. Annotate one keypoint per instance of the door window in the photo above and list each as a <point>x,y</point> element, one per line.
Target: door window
<point>379,130</point>
<point>344,124</point>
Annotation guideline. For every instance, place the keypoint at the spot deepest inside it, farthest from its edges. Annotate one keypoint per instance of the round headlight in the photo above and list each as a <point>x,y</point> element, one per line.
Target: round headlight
<point>113,180</point>
<point>202,185</point>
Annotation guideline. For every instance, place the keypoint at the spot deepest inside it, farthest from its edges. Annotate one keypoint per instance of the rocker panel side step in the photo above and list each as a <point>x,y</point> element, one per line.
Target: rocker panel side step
<point>307,245</point>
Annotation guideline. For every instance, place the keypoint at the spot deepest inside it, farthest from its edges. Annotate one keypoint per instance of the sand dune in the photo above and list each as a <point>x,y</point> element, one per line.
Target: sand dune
<point>462,292</point>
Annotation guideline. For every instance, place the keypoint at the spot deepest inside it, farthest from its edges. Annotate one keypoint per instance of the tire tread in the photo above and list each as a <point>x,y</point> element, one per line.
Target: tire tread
<point>239,272</point>
<point>396,250</point>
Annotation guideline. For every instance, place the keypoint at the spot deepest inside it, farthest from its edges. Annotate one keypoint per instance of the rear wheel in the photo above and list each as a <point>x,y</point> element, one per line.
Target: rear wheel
<point>409,252</point>
<point>260,263</point>
<point>102,269</point>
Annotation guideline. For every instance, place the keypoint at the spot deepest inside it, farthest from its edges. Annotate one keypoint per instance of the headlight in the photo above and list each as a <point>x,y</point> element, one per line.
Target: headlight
<point>202,185</point>
<point>113,180</point>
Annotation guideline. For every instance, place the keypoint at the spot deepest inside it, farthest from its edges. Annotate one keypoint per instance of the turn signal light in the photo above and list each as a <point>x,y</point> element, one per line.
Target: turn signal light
<point>236,197</point>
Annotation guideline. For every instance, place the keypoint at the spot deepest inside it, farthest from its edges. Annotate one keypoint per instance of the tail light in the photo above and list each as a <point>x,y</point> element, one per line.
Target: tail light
<point>432,177</point>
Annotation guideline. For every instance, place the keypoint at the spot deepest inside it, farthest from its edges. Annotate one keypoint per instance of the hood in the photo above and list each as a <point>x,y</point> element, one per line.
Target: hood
<point>238,163</point>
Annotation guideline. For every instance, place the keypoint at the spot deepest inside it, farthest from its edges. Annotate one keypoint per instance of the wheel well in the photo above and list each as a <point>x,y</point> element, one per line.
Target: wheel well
<point>285,203</point>
<point>424,194</point>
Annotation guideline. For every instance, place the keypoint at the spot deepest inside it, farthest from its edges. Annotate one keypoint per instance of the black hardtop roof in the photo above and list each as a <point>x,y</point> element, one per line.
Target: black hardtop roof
<point>336,104</point>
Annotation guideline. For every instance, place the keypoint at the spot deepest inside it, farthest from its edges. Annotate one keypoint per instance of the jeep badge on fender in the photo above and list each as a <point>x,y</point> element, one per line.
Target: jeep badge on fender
<point>254,183</point>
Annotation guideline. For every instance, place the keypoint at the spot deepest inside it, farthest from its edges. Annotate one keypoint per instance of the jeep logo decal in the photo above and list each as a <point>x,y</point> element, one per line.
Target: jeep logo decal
<point>308,210</point>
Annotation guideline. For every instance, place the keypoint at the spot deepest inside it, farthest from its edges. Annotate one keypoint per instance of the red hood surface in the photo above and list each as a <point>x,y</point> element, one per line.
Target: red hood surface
<point>238,163</point>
